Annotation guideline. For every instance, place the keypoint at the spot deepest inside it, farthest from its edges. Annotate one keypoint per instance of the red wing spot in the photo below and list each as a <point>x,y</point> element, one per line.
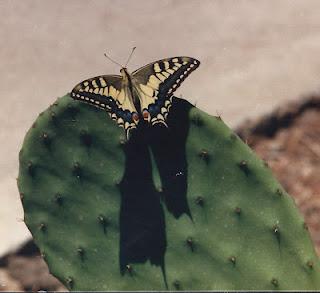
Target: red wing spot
<point>145,115</point>
<point>135,116</point>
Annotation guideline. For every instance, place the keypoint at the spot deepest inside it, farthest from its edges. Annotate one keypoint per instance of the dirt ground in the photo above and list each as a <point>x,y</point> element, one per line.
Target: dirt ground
<point>288,139</point>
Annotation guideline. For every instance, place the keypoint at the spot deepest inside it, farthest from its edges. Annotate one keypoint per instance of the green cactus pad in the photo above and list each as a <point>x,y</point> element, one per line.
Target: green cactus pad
<point>185,208</point>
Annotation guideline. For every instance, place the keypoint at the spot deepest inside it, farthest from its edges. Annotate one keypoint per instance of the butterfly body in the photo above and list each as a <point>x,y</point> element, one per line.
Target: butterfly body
<point>145,94</point>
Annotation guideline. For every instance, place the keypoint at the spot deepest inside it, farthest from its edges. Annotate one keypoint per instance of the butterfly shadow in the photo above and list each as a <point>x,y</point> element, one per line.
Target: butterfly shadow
<point>142,222</point>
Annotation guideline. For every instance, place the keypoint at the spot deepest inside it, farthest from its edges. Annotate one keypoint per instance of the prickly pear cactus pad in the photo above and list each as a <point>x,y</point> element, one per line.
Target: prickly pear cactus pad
<point>189,207</point>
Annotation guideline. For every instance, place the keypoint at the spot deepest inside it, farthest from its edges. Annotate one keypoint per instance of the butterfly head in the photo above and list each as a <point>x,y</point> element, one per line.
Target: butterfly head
<point>123,70</point>
<point>124,73</point>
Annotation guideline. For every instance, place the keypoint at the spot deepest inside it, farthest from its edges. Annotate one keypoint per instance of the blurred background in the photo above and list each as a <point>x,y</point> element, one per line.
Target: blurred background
<point>260,71</point>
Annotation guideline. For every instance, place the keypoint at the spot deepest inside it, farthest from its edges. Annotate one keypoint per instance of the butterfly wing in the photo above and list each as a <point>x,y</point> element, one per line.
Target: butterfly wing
<point>108,92</point>
<point>156,83</point>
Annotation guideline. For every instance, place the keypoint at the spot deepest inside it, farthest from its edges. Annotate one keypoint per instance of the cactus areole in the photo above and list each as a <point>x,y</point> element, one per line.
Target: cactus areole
<point>183,207</point>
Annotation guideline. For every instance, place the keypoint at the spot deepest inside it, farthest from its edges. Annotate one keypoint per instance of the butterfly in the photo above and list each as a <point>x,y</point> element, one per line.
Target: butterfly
<point>143,95</point>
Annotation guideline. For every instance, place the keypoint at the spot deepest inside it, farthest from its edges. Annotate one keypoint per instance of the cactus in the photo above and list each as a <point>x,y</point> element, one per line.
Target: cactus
<point>189,207</point>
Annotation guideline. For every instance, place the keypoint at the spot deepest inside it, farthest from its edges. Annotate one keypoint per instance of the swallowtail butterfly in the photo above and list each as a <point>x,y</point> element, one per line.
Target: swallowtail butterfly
<point>145,94</point>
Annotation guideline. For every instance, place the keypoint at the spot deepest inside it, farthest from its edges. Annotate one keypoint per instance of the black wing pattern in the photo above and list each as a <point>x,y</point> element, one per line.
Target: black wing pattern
<point>149,88</point>
<point>156,83</point>
<point>108,93</point>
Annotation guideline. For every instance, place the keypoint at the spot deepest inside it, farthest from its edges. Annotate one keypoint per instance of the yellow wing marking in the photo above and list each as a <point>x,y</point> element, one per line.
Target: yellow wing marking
<point>103,82</point>
<point>121,97</point>
<point>153,82</point>
<point>94,84</point>
<point>164,110</point>
<point>124,100</point>
<point>146,90</point>
<point>161,76</point>
<point>120,121</point>
<point>156,67</point>
<point>166,74</point>
<point>145,95</point>
<point>166,65</point>
<point>112,91</point>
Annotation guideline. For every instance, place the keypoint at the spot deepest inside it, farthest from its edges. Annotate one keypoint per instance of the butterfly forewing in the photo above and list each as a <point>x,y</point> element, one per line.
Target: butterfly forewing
<point>157,81</point>
<point>108,93</point>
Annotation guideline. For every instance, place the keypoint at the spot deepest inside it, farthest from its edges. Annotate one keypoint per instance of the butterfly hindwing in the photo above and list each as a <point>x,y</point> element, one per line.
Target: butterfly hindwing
<point>108,93</point>
<point>157,81</point>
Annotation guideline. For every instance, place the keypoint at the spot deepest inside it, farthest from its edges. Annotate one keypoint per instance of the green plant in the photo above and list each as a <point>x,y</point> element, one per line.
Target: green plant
<point>185,208</point>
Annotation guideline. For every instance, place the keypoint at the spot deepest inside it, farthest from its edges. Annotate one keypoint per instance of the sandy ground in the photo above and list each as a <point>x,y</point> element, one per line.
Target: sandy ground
<point>255,55</point>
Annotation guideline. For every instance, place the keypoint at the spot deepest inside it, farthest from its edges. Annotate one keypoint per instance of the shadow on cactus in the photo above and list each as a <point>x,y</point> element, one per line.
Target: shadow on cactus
<point>189,207</point>
<point>142,223</point>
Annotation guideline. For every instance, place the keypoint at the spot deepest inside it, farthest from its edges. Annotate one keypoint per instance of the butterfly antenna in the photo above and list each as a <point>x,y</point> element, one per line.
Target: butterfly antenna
<point>105,54</point>
<point>130,56</point>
